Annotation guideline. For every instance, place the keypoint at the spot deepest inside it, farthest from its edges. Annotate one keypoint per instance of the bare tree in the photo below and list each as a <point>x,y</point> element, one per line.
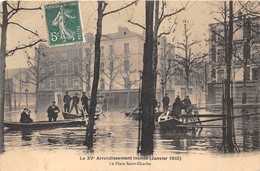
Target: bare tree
<point>35,76</point>
<point>9,10</point>
<point>187,61</point>
<point>86,72</point>
<point>102,6</point>
<point>160,16</point>
<point>129,81</point>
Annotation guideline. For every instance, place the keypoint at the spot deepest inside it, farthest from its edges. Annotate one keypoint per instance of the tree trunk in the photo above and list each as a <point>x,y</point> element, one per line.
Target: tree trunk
<point>230,141</point>
<point>246,56</point>
<point>147,95</point>
<point>2,72</point>
<point>128,97</point>
<point>36,98</point>
<point>155,44</point>
<point>93,102</point>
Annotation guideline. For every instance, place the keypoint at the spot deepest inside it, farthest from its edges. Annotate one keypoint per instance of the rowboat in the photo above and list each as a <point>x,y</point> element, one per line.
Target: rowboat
<point>67,115</point>
<point>135,114</point>
<point>44,124</point>
<point>168,122</point>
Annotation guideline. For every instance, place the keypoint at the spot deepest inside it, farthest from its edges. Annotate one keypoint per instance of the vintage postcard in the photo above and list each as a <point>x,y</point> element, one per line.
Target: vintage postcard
<point>129,85</point>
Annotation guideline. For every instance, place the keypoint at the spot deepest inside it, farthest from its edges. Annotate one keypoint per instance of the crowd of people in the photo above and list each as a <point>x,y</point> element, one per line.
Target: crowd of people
<point>177,105</point>
<point>69,104</point>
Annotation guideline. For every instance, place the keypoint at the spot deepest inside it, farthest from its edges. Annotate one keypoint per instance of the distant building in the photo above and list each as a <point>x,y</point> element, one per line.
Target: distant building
<point>17,87</point>
<point>62,62</point>
<point>121,63</point>
<point>246,49</point>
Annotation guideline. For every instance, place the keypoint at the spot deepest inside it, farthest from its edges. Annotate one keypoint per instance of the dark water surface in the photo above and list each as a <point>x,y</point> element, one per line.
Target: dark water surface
<point>118,135</point>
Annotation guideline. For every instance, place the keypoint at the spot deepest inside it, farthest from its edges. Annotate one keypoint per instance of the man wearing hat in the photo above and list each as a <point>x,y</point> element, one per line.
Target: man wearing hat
<point>25,116</point>
<point>75,102</point>
<point>53,111</point>
<point>186,104</point>
<point>67,100</point>
<point>165,101</point>
<point>84,101</point>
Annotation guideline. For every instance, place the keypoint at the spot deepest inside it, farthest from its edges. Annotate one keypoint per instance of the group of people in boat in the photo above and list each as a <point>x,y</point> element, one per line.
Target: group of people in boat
<point>53,110</point>
<point>177,105</point>
<point>73,102</point>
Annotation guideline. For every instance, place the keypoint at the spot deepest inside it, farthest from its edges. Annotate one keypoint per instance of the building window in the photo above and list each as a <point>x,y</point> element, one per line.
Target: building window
<point>126,64</point>
<point>213,53</point>
<point>221,56</point>
<point>213,75</point>
<point>111,65</point>
<point>247,73</point>
<point>76,83</point>
<point>64,83</point>
<point>52,70</point>
<point>127,82</point>
<point>42,84</point>
<point>102,84</point>
<point>58,68</point>
<point>53,84</point>
<point>88,53</point>
<point>126,48</point>
<point>64,69</point>
<point>64,55</point>
<point>52,56</point>
<point>102,51</point>
<point>102,66</point>
<point>47,83</point>
<point>58,82</point>
<point>220,75</point>
<point>255,73</point>
<point>111,50</point>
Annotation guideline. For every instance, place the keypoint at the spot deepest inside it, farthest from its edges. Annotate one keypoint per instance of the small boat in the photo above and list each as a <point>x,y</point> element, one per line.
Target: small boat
<point>168,122</point>
<point>135,114</point>
<point>44,124</point>
<point>67,115</point>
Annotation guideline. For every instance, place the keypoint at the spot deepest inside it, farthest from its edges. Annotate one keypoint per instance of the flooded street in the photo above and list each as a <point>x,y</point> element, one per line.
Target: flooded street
<point>117,134</point>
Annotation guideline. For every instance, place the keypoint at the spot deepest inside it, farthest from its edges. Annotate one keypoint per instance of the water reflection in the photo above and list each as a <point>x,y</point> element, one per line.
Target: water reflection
<point>116,134</point>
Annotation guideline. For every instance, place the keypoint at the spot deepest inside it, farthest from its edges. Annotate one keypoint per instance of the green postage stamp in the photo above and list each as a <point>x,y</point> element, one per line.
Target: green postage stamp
<point>63,23</point>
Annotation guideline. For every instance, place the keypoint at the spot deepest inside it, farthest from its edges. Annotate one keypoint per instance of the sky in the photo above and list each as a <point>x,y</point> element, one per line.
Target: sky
<point>197,13</point>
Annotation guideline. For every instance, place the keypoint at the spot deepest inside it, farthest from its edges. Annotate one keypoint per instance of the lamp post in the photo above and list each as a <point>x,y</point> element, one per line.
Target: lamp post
<point>163,87</point>
<point>26,96</point>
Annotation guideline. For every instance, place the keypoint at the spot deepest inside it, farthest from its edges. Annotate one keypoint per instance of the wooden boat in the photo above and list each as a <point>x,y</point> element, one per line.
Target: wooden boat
<point>168,122</point>
<point>67,115</point>
<point>44,124</point>
<point>135,114</point>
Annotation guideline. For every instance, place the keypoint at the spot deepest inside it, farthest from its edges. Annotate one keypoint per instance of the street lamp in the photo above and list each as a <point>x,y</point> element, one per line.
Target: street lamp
<point>163,88</point>
<point>26,96</point>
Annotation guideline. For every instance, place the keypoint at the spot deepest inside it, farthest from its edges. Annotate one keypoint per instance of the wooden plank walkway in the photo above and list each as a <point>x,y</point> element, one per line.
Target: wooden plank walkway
<point>200,126</point>
<point>200,115</point>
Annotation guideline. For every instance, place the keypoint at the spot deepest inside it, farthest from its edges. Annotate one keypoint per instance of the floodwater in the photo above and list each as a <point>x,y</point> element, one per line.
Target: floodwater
<point>117,134</point>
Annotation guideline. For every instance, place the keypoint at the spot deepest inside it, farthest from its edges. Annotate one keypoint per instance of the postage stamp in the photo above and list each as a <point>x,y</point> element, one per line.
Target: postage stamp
<point>63,23</point>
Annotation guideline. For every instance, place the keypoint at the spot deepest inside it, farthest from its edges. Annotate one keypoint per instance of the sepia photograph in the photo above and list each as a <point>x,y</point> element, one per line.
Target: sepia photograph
<point>157,85</point>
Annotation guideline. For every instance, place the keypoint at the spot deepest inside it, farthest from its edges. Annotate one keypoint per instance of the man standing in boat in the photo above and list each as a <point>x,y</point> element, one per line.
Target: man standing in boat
<point>75,102</point>
<point>165,101</point>
<point>176,107</point>
<point>186,104</point>
<point>53,111</point>
<point>67,100</point>
<point>84,101</point>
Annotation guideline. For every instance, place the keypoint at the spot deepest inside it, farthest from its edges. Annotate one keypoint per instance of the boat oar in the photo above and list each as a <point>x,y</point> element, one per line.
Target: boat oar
<point>101,112</point>
<point>132,112</point>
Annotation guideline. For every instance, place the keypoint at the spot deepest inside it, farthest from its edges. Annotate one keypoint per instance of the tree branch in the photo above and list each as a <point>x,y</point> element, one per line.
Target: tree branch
<point>30,31</point>
<point>136,24</point>
<point>11,52</point>
<point>119,9</point>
